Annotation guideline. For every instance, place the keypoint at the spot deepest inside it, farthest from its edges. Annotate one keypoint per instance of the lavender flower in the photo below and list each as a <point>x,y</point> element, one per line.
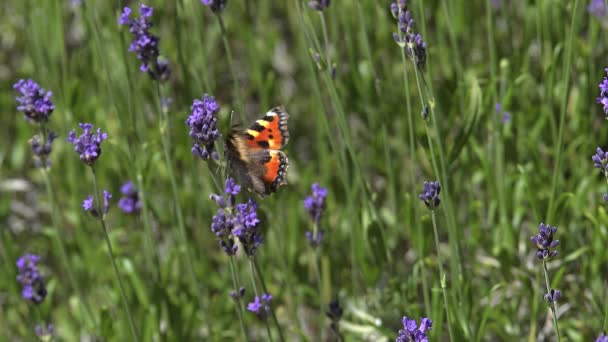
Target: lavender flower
<point>203,127</point>
<point>315,204</point>
<point>544,241</point>
<point>315,239</point>
<point>597,8</point>
<point>552,296</point>
<point>257,305</point>
<point>30,278</point>
<point>42,149</point>
<point>600,160</point>
<point>246,227</point>
<point>144,43</point>
<point>221,226</point>
<point>430,194</point>
<point>506,116</point>
<point>88,144</point>
<point>603,98</point>
<point>319,5</point>
<point>236,221</point>
<point>216,5</point>
<point>45,333</point>
<point>34,102</point>
<point>411,332</point>
<point>407,37</point>
<point>237,295</point>
<point>602,338</point>
<point>129,203</point>
<point>89,205</point>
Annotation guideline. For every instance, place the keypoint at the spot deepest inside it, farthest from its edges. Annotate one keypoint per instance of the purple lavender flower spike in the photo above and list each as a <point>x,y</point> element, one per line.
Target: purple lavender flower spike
<point>106,201</point>
<point>32,282</point>
<point>411,332</point>
<point>319,5</point>
<point>246,227</point>
<point>544,241</point>
<point>129,203</point>
<point>552,296</point>
<point>42,149</point>
<point>87,204</point>
<point>315,240</point>
<point>315,204</point>
<point>600,160</point>
<point>45,333</point>
<point>602,338</point>
<point>34,102</point>
<point>88,144</point>
<point>409,39</point>
<point>215,5</point>
<point>603,98</point>
<point>144,43</point>
<point>261,306</point>
<point>430,194</point>
<point>203,127</point>
<point>597,8</point>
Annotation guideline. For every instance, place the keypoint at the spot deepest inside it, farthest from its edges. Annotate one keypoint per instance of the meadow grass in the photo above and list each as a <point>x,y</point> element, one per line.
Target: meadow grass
<point>368,122</point>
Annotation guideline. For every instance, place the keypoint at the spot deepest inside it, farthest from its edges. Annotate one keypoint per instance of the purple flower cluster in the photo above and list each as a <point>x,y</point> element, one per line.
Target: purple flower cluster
<point>42,149</point>
<point>203,127</point>
<point>89,205</point>
<point>34,102</point>
<point>602,338</point>
<point>506,116</point>
<point>597,8</point>
<point>600,160</point>
<point>88,144</point>
<point>315,205</point>
<point>45,333</point>
<point>32,282</point>
<point>129,203</point>
<point>552,296</point>
<point>413,42</point>
<point>144,43</point>
<point>412,332</point>
<point>236,221</point>
<point>319,5</point>
<point>603,98</point>
<point>430,194</point>
<point>215,5</point>
<point>261,307</point>
<point>544,241</point>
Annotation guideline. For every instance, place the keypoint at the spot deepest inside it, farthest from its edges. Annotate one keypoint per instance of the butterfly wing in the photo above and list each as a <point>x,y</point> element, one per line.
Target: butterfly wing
<point>254,152</point>
<point>267,170</point>
<point>269,132</point>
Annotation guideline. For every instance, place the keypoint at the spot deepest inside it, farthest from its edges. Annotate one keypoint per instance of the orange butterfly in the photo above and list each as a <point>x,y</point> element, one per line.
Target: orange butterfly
<point>254,154</point>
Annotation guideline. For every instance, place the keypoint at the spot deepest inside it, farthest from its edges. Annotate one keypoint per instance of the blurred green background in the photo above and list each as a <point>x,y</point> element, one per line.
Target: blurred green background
<point>542,60</point>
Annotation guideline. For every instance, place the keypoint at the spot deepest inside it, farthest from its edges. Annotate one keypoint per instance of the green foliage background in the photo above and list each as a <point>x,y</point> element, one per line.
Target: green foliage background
<point>541,59</point>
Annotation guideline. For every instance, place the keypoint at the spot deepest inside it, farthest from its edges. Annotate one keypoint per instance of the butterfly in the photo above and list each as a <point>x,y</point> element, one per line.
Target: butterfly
<point>254,153</point>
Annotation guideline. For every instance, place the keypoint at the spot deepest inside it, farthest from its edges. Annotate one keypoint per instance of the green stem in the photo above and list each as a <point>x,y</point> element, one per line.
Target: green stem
<point>326,42</point>
<point>239,306</point>
<point>562,117</point>
<point>442,275</point>
<point>164,132</point>
<point>237,89</point>
<point>412,176</point>
<point>255,290</point>
<point>553,304</point>
<point>315,254</point>
<point>274,317</point>
<point>111,254</point>
<point>59,234</point>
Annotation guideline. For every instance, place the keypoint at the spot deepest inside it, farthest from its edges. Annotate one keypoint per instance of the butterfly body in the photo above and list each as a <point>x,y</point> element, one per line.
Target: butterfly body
<point>254,153</point>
